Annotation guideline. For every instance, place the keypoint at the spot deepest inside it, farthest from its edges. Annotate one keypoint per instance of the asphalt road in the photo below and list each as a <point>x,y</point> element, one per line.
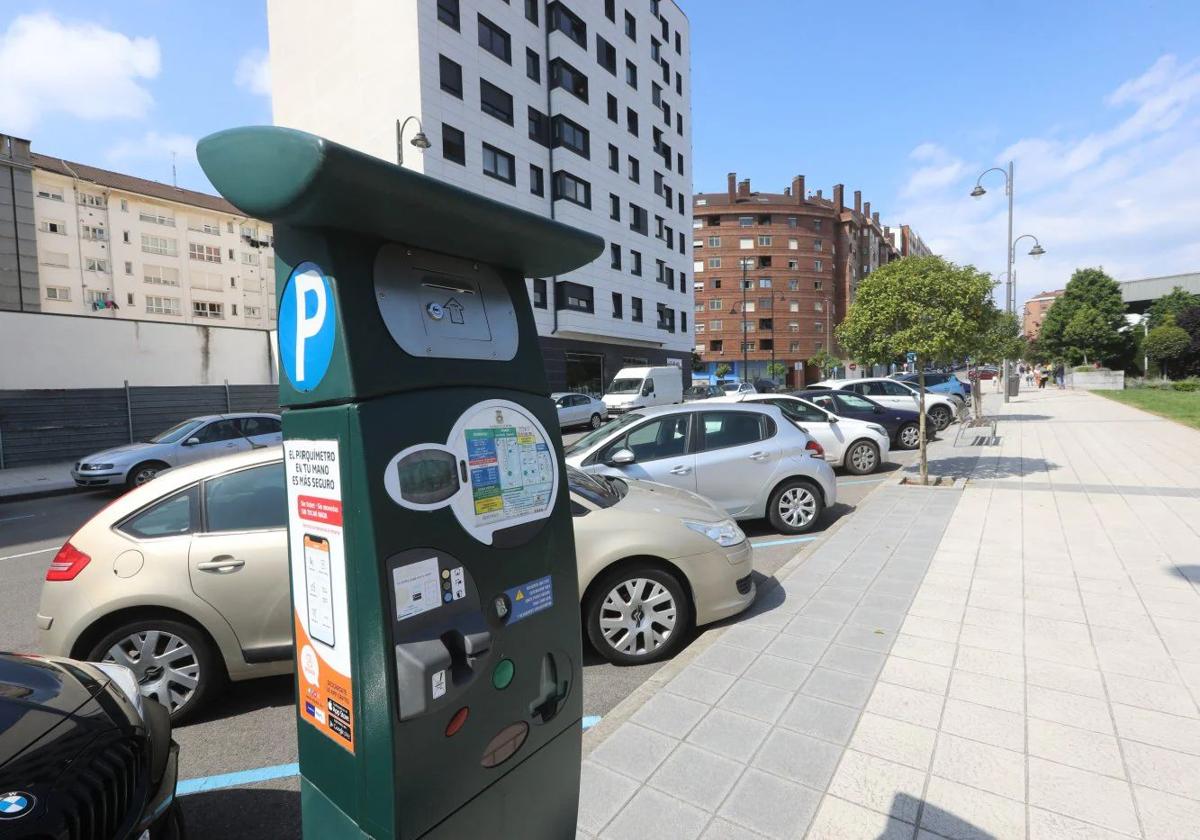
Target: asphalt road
<point>250,731</point>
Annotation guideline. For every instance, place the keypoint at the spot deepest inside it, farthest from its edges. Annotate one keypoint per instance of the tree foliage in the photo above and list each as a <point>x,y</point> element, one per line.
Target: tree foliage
<point>1087,320</point>
<point>723,369</point>
<point>777,370</point>
<point>1166,344</point>
<point>824,361</point>
<point>1171,305</point>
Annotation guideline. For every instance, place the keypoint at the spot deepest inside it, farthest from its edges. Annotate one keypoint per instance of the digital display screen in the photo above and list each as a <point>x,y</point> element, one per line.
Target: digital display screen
<point>428,476</point>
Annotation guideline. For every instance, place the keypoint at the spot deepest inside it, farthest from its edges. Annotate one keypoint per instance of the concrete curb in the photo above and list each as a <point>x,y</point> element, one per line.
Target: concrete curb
<point>26,495</point>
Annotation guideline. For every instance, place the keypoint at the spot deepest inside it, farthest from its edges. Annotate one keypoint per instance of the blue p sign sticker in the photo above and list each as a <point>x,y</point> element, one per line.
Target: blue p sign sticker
<point>306,326</point>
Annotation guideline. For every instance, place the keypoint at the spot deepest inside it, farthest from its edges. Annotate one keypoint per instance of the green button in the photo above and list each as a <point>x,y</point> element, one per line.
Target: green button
<point>503,674</point>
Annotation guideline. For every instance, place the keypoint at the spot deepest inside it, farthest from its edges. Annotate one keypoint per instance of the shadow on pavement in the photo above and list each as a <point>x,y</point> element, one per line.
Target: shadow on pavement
<point>1187,571</point>
<point>984,467</point>
<point>250,813</point>
<point>933,818</point>
<point>248,695</point>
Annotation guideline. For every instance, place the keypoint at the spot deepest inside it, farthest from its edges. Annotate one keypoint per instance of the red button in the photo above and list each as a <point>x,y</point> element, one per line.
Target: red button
<point>456,722</point>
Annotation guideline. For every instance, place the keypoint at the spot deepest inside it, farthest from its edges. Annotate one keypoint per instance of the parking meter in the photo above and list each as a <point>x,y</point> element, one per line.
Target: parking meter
<point>437,624</point>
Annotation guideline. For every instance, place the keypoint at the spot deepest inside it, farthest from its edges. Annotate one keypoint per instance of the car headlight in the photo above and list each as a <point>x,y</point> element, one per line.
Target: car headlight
<point>97,466</point>
<point>125,680</point>
<point>877,429</point>
<point>724,533</point>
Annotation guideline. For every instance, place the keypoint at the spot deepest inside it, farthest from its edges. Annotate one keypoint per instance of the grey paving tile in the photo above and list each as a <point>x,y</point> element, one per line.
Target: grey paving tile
<point>763,702</point>
<point>991,663</point>
<point>1081,794</point>
<point>1163,769</point>
<point>771,805</point>
<point>826,611</point>
<point>1047,825</point>
<point>820,718</point>
<point>875,618</point>
<point>1158,729</point>
<point>808,761</point>
<point>988,691</point>
<point>700,684</point>
<point>1168,817</point>
<point>1160,697</point>
<point>980,765</point>
<point>723,829</point>
<point>838,687</point>
<point>1062,677</point>
<point>920,649</point>
<point>800,648</point>
<point>777,671</point>
<point>728,734</point>
<point>1071,709</point>
<point>1080,748</point>
<point>919,675</point>
<point>894,740</point>
<point>633,750</point>
<point>866,638</point>
<point>697,776</point>
<point>984,723</point>
<point>724,658</point>
<point>751,638</point>
<point>654,814</point>
<point>670,714</point>
<point>879,785</point>
<point>853,660</point>
<point>818,629</point>
<point>907,704</point>
<point>602,793</point>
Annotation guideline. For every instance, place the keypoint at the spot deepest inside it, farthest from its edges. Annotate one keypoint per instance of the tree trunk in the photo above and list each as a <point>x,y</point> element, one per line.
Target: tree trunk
<point>921,411</point>
<point>976,392</point>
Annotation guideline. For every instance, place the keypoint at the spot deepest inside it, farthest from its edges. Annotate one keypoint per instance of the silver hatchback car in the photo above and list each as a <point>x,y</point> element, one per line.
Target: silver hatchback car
<point>749,459</point>
<point>197,439</point>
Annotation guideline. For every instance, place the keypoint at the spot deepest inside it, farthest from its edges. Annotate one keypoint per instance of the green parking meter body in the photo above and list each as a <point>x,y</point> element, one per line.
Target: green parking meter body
<point>437,625</point>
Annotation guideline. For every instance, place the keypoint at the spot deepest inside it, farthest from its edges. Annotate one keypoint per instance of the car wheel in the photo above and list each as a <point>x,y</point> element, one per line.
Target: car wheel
<point>861,458</point>
<point>637,613</point>
<point>795,506</point>
<point>909,436</point>
<point>174,662</point>
<point>596,421</point>
<point>143,473</point>
<point>941,417</point>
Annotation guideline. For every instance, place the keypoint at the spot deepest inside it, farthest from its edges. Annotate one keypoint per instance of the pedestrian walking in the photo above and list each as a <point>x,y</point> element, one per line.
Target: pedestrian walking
<point>1060,376</point>
<point>1042,375</point>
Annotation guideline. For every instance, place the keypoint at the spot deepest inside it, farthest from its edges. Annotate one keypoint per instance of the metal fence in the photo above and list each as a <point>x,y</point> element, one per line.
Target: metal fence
<point>46,425</point>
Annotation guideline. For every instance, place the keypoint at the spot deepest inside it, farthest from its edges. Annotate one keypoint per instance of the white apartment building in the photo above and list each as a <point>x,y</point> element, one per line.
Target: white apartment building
<point>113,246</point>
<point>577,110</point>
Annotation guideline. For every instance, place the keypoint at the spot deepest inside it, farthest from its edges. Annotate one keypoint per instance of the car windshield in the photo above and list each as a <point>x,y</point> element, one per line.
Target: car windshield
<point>731,386</point>
<point>625,386</point>
<point>602,491</point>
<point>855,401</point>
<point>596,435</point>
<point>176,433</point>
<point>697,391</point>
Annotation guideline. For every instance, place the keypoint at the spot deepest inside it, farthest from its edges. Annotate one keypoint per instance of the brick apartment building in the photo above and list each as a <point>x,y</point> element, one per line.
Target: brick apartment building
<point>1035,312</point>
<point>803,257</point>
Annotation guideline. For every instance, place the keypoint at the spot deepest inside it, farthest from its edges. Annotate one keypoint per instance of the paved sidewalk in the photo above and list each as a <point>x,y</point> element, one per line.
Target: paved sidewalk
<point>1019,659</point>
<point>40,480</point>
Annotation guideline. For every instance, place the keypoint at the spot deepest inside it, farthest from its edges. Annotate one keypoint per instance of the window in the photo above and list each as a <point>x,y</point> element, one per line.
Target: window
<point>499,165</point>
<point>95,264</point>
<point>794,306</point>
<point>631,121</point>
<point>818,245</point>
<point>205,309</point>
<point>614,256</point>
<point>664,437</point>
<point>610,10</point>
<point>682,321</point>
<point>793,326</point>
<point>448,13</point>
<point>764,241</point>
<point>160,275</point>
<point>638,221</point>
<point>52,193</point>
<point>53,226</point>
<point>571,135</point>
<point>722,429</point>
<point>613,108</point>
<point>253,311</point>
<point>454,145</point>
<point>166,246</point>
<point>716,304</point>
<point>698,266</point>
<point>714,242</point>
<point>537,180</point>
<point>746,243</point>
<point>565,76</point>
<point>572,189</point>
<point>635,307</point>
<point>496,102</point>
<point>678,44</point>
<point>818,326</point>
<point>533,64</point>
<point>575,296</point>
<point>196,251</point>
<point>451,76</point>
<point>614,158</point>
<point>157,305</point>
<point>174,516</point>
<point>539,127</point>
<point>817,265</point>
<point>820,307</point>
<point>606,55</point>
<point>630,74</point>
<point>539,293</point>
<point>630,26</point>
<point>614,207</point>
<point>666,318</point>
<point>764,282</point>
<point>816,224</point>
<point>560,18</point>
<point>92,200</point>
<point>635,169</point>
<point>58,293</point>
<point>495,40</point>
<point>818,285</point>
<point>714,262</point>
<point>246,500</point>
<point>745,221</point>
<point>249,258</point>
<point>96,298</point>
<point>531,11</point>
<point>616,305</point>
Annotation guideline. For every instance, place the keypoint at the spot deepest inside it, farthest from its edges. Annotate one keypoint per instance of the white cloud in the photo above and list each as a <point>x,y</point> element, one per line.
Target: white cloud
<point>254,72</point>
<point>151,156</point>
<point>81,69</point>
<point>1125,196</point>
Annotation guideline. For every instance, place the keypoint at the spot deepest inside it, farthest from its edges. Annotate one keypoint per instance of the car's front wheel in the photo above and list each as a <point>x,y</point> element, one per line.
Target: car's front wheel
<point>909,436</point>
<point>861,458</point>
<point>941,417</point>
<point>795,506</point>
<point>174,662</point>
<point>637,613</point>
<point>143,473</point>
<point>596,421</point>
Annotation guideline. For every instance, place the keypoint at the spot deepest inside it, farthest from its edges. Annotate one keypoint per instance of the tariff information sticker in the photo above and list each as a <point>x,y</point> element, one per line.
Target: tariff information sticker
<point>318,567</point>
<point>530,598</point>
<point>511,471</point>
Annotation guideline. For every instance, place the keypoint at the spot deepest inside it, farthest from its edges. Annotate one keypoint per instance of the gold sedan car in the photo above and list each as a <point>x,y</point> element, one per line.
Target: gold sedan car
<point>185,579</point>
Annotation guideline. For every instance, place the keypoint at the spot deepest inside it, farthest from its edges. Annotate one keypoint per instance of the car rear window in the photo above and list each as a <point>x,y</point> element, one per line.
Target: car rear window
<point>171,517</point>
<point>247,500</point>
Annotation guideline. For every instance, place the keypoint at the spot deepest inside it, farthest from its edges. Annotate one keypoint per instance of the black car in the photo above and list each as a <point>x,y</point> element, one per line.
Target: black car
<point>82,755</point>
<point>702,392</point>
<point>903,424</point>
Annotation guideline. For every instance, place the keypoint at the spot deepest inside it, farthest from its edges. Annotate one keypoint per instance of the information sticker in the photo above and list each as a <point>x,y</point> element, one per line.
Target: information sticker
<point>416,587</point>
<point>530,598</point>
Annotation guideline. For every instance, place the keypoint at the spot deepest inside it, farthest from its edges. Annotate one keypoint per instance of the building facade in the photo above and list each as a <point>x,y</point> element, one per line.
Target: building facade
<point>579,111</point>
<point>109,245</point>
<point>801,256</point>
<point>1035,312</point>
<point>907,243</point>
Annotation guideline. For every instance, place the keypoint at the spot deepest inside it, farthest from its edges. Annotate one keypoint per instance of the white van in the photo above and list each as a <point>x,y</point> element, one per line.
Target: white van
<point>639,387</point>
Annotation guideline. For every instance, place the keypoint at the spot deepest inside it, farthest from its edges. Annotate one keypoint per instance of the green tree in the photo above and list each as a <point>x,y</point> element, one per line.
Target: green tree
<point>776,370</point>
<point>997,337</point>
<point>723,370</point>
<point>1171,305</point>
<point>1098,334</point>
<point>697,363</point>
<point>824,361</point>
<point>1166,343</point>
<point>922,305</point>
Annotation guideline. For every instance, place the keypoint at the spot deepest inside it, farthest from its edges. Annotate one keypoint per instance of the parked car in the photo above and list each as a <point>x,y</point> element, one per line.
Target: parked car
<point>858,446</point>
<point>902,424</point>
<point>736,387</point>
<point>579,410</point>
<point>701,392</point>
<point>185,580</point>
<point>748,459</point>
<point>984,372</point>
<point>192,440</point>
<point>83,754</point>
<point>765,386</point>
<point>942,383</point>
<point>940,409</point>
<point>639,387</point>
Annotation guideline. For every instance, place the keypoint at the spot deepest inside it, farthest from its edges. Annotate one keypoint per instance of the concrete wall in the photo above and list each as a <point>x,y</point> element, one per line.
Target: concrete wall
<point>63,351</point>
<point>1097,380</point>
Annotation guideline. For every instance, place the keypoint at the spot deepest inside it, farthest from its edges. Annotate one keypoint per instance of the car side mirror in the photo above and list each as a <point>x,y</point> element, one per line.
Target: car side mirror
<point>833,418</point>
<point>622,457</point>
<point>878,409</point>
<point>192,441</point>
<point>646,392</point>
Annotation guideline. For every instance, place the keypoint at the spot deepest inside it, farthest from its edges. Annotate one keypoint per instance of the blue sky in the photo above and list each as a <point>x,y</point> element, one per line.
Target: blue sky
<point>1099,104</point>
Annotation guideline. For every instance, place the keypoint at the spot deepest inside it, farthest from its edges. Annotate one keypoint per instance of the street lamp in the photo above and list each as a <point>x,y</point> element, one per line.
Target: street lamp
<point>419,140</point>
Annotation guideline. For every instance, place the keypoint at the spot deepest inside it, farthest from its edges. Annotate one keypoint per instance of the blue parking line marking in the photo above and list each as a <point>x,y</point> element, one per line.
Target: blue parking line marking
<point>589,721</point>
<point>242,777</point>
<point>787,541</point>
